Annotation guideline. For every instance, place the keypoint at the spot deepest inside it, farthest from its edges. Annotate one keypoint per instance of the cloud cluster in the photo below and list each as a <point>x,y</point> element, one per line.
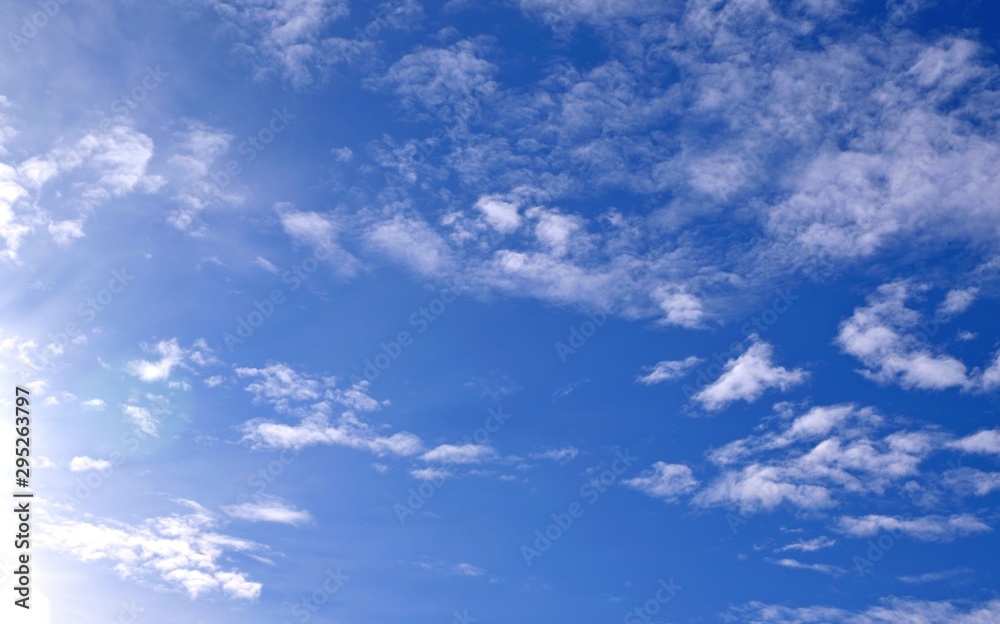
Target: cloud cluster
<point>829,456</point>
<point>179,551</point>
<point>890,339</point>
<point>891,610</point>
<point>171,356</point>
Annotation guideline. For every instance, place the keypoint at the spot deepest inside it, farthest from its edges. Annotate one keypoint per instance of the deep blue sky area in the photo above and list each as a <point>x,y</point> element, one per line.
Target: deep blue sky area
<point>525,311</point>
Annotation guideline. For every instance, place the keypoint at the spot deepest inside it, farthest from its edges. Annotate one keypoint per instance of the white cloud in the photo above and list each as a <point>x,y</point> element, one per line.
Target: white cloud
<point>268,509</point>
<point>882,336</point>
<point>266,264</point>
<point>411,242</point>
<point>560,455</point>
<point>65,232</point>
<point>758,487</point>
<point>905,166</point>
<point>181,551</point>
<point>283,36</point>
<point>459,454</point>
<point>430,474</point>
<point>279,385</point>
<point>83,174</point>
<point>500,213</point>
<point>817,459</point>
<point>118,158</point>
<point>812,545</point>
<point>815,567</point>
<point>890,610</point>
<point>84,463</point>
<point>59,398</point>
<point>467,569</point>
<point>990,379</point>
<point>559,233</point>
<point>679,307</point>
<point>934,577</point>
<point>171,355</point>
<point>969,481</point>
<point>97,405</point>
<point>356,397</point>
<point>668,370</point>
<point>747,377</point>
<point>142,420</point>
<point>315,429</point>
<point>12,225</point>
<point>199,147</point>
<point>986,442</point>
<point>450,83</point>
<point>947,64</point>
<point>925,529</point>
<point>319,233</point>
<point>958,300</point>
<point>342,154</point>
<point>312,399</point>
<point>664,481</point>
<point>563,13</point>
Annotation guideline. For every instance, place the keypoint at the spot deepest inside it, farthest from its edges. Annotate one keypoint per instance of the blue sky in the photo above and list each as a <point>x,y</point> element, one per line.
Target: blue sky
<point>528,310</point>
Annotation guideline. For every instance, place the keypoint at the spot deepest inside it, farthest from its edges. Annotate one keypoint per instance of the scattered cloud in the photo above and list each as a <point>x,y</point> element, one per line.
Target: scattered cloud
<point>808,545</point>
<point>747,377</point>
<point>96,405</point>
<point>667,482</point>
<point>925,529</point>
<point>986,442</point>
<point>958,301</point>
<point>934,577</point>
<point>268,509</point>
<point>560,455</point>
<point>668,370</point>
<point>171,355</point>
<point>460,454</point>
<point>823,568</point>
<point>142,420</point>
<point>889,610</point>
<point>83,463</point>
<point>889,339</point>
